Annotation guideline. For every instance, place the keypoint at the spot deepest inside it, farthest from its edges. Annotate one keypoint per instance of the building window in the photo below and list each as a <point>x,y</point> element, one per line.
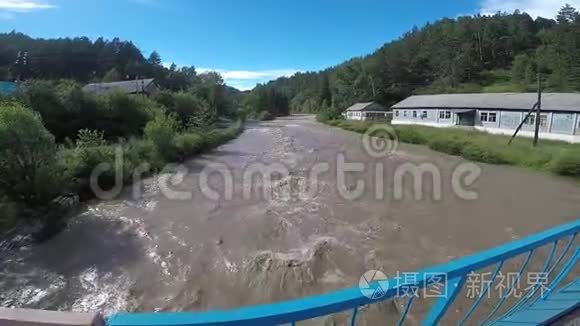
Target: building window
<point>445,115</point>
<point>424,115</point>
<point>483,117</point>
<point>531,120</point>
<point>404,113</point>
<point>543,120</point>
<point>414,114</point>
<point>488,116</point>
<point>396,113</point>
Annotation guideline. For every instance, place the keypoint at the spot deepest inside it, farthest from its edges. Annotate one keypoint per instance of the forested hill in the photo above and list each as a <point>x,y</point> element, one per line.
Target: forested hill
<point>84,60</point>
<point>503,52</point>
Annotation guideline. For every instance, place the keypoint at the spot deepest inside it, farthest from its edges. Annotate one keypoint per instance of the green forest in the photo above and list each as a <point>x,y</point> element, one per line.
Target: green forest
<point>471,54</point>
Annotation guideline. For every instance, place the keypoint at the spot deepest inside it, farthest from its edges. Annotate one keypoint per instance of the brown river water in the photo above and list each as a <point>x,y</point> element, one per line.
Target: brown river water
<point>151,253</point>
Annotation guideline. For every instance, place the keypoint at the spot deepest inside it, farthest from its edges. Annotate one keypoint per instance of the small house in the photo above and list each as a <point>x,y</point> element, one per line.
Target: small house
<point>367,111</point>
<point>138,86</point>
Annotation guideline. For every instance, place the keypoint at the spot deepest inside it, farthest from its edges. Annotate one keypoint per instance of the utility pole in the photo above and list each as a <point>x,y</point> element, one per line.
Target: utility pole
<point>18,66</point>
<point>538,110</point>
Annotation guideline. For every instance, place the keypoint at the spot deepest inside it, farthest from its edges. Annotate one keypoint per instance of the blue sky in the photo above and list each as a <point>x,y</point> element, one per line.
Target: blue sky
<point>248,41</point>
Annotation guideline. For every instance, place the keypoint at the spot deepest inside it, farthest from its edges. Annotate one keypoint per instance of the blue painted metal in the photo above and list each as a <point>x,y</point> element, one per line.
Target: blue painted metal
<point>406,311</point>
<point>545,312</point>
<point>563,254</point>
<point>353,316</point>
<point>352,298</point>
<point>532,291</point>
<point>563,273</point>
<point>510,289</point>
<point>452,288</point>
<point>482,294</point>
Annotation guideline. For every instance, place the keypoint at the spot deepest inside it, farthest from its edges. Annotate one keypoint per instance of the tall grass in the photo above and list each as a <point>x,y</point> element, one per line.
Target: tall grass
<point>557,157</point>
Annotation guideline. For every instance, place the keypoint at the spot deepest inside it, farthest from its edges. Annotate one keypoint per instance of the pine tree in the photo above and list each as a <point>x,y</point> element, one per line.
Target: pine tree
<point>567,15</point>
<point>154,59</point>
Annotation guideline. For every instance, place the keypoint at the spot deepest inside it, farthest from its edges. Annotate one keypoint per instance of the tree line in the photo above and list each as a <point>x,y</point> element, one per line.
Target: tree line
<point>81,59</point>
<point>502,52</point>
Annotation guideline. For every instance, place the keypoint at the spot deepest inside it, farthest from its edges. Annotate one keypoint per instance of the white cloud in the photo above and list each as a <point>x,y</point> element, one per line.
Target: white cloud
<point>23,5</point>
<point>247,79</point>
<point>10,8</point>
<point>542,8</point>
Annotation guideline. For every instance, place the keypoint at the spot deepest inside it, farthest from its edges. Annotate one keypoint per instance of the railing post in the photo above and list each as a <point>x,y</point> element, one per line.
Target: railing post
<point>452,289</point>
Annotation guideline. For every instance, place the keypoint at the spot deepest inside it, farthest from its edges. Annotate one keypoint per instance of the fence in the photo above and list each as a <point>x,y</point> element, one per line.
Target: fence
<point>562,254</point>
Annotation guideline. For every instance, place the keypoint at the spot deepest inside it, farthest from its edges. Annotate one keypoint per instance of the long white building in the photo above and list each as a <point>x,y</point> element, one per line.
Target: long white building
<point>499,113</point>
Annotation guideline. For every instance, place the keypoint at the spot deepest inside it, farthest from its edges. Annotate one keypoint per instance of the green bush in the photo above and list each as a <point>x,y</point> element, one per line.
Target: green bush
<point>411,136</point>
<point>90,138</point>
<point>28,170</point>
<point>44,98</point>
<point>80,163</point>
<point>356,126</point>
<point>8,214</point>
<point>164,98</point>
<point>203,120</point>
<point>161,132</point>
<point>116,114</point>
<point>333,123</point>
<point>448,145</point>
<point>185,106</point>
<point>328,114</point>
<point>189,144</point>
<point>265,116</point>
<point>127,116</point>
<point>478,153</point>
<point>567,163</point>
<point>138,152</point>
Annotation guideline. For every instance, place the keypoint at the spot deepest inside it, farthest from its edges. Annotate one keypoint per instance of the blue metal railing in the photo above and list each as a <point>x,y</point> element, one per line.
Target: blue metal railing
<point>455,273</point>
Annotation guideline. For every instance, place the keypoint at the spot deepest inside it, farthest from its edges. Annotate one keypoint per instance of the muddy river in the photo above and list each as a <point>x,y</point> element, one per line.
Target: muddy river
<point>228,244</point>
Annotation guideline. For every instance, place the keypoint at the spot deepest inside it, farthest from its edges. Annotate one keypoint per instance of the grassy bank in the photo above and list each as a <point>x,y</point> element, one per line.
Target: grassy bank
<point>556,157</point>
<point>162,143</point>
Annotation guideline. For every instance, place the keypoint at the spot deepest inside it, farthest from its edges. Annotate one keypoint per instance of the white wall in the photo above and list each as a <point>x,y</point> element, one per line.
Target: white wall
<point>502,126</point>
<point>526,133</point>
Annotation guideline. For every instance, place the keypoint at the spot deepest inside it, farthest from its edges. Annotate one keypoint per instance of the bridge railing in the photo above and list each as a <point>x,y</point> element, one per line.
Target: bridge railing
<point>563,253</point>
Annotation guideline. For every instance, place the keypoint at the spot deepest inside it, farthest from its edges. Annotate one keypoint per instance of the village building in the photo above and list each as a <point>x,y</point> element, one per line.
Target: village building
<point>138,86</point>
<point>367,111</point>
<point>499,113</point>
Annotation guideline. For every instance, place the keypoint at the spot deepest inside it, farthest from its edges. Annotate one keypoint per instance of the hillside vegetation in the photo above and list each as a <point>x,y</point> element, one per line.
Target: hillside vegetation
<point>500,53</point>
